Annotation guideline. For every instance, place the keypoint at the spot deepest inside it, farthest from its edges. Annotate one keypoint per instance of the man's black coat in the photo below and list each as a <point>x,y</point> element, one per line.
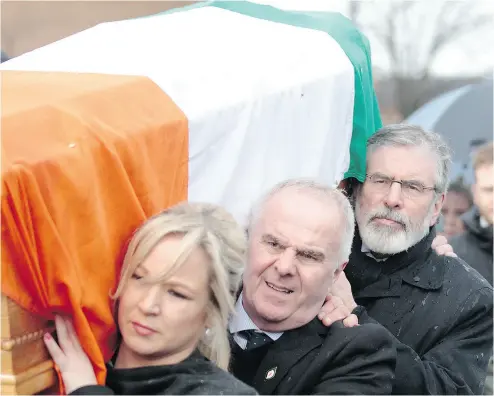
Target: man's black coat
<point>315,359</point>
<point>439,311</point>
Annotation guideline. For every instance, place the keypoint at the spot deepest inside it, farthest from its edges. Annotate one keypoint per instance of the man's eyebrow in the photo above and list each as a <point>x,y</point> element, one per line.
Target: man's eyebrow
<point>414,181</point>
<point>382,175</point>
<point>316,254</point>
<point>272,238</point>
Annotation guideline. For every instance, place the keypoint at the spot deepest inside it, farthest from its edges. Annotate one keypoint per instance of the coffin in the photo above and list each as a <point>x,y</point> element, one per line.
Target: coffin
<point>104,140</point>
<point>26,367</point>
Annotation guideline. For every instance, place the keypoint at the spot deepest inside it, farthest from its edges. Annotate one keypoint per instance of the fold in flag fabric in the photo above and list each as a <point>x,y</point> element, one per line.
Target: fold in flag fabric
<point>85,160</point>
<point>215,102</point>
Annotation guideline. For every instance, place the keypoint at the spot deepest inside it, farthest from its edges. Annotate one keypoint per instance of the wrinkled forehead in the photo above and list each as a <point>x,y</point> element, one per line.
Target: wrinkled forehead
<point>303,219</point>
<point>404,162</point>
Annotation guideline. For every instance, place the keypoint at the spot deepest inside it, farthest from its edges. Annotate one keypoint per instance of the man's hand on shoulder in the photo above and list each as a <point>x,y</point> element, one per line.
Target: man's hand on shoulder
<point>339,304</point>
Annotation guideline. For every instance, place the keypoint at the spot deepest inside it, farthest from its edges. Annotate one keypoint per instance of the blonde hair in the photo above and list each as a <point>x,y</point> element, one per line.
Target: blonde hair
<point>213,229</point>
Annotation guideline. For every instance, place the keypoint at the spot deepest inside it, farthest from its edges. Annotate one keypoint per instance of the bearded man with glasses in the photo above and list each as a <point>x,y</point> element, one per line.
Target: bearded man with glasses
<point>437,308</point>
<point>388,230</point>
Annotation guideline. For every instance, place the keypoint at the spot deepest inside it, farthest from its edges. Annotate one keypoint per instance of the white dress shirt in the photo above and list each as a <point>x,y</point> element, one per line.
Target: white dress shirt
<point>241,321</point>
<point>365,249</point>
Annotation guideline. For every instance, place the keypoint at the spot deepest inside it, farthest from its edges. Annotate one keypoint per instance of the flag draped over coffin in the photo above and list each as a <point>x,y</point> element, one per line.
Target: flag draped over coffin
<point>214,102</point>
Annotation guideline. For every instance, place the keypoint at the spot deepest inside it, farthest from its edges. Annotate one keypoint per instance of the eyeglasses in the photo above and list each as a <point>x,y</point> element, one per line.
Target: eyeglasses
<point>410,188</point>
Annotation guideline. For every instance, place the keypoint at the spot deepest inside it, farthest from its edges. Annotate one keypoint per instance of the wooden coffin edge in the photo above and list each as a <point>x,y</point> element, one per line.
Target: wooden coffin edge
<point>26,367</point>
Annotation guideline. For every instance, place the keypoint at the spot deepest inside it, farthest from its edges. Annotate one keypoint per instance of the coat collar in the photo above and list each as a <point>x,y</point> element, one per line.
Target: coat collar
<point>285,353</point>
<point>474,225</point>
<point>422,270</point>
<point>384,279</point>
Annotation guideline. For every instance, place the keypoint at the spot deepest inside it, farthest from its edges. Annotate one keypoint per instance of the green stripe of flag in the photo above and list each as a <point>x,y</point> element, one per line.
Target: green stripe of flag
<point>366,116</point>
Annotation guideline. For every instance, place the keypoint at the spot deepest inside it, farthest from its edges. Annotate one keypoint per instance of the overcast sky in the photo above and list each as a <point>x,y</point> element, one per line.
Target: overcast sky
<point>471,55</point>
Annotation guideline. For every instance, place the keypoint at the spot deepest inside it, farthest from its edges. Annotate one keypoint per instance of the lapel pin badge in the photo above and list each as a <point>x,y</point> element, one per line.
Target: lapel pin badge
<point>271,373</point>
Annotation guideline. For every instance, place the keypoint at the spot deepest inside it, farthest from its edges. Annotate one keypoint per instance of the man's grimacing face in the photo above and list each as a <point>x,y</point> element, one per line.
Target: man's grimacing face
<point>292,260</point>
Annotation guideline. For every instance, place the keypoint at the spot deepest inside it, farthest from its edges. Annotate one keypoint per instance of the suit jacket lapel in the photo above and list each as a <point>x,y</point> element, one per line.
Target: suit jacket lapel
<point>292,346</point>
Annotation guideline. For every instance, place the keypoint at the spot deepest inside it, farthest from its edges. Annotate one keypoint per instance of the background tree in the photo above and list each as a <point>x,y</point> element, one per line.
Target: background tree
<point>413,34</point>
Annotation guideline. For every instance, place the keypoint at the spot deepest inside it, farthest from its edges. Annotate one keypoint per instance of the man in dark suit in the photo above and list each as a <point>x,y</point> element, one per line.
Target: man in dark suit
<point>300,236</point>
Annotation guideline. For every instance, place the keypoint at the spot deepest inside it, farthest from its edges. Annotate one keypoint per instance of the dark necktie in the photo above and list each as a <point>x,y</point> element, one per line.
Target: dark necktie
<point>255,339</point>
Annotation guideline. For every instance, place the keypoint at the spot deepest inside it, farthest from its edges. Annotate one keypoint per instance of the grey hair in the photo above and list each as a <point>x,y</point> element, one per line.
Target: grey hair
<point>322,191</point>
<point>213,229</point>
<point>404,135</point>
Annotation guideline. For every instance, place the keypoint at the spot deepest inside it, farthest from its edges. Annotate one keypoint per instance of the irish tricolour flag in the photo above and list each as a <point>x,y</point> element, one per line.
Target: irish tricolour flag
<point>215,102</point>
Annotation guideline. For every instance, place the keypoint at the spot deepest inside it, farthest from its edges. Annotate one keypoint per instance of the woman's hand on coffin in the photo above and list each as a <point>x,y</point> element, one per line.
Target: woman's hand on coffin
<point>74,365</point>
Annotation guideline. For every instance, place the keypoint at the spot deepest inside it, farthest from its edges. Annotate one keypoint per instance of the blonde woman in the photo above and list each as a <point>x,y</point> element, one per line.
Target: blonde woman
<point>176,292</point>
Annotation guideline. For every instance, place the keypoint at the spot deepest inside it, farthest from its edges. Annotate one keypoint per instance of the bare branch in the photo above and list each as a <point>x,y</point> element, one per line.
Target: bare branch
<point>412,43</point>
<point>455,31</point>
<point>390,40</point>
<point>413,33</point>
<point>354,10</point>
<point>454,19</point>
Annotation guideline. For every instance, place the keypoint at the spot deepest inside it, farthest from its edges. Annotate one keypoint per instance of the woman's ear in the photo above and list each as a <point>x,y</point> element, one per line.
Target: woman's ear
<point>209,325</point>
<point>207,333</point>
<point>209,319</point>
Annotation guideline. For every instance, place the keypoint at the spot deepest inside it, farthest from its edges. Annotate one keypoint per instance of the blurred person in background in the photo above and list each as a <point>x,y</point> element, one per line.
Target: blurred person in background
<point>457,202</point>
<point>475,244</point>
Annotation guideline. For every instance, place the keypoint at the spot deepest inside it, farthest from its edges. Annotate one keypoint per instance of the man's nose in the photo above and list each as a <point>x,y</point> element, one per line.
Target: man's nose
<point>149,303</point>
<point>285,265</point>
<point>394,197</point>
